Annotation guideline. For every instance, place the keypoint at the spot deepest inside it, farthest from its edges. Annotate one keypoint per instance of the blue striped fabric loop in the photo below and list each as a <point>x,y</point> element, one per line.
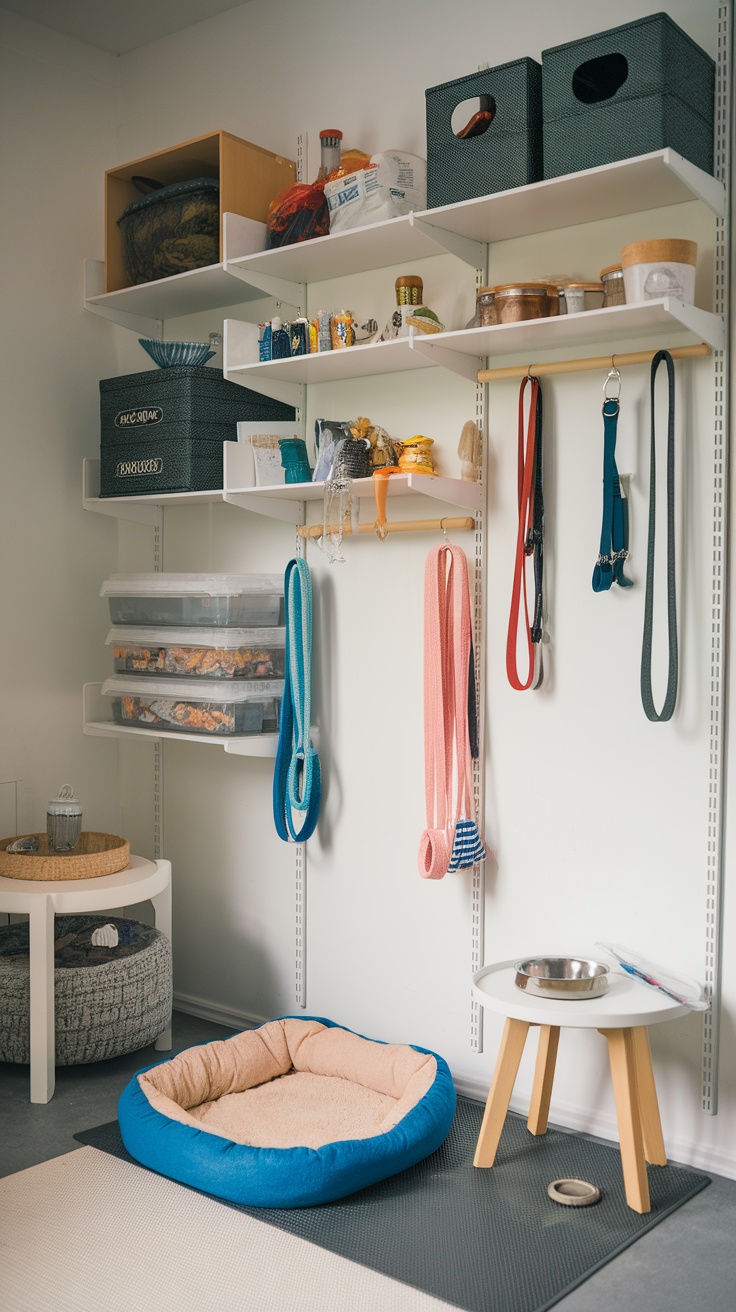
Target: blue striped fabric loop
<point>468,848</point>
<point>297,780</point>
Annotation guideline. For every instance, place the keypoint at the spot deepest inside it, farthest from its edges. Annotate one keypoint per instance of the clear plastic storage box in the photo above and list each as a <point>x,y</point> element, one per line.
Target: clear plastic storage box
<point>202,600</point>
<point>190,706</point>
<point>198,654</point>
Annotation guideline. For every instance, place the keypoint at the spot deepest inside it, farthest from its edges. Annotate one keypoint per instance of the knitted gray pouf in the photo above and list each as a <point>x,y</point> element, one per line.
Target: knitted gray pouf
<point>109,1000</point>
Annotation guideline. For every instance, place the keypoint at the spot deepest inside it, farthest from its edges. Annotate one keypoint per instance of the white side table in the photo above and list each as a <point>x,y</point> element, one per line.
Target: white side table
<point>622,1016</point>
<point>41,900</point>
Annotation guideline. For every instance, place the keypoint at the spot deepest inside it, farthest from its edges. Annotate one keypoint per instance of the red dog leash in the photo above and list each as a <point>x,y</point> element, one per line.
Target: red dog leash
<point>529,541</point>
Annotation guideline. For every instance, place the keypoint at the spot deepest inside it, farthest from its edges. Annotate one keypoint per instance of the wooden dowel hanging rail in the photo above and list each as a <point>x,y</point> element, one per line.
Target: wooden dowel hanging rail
<point>399,526</point>
<point>594,362</point>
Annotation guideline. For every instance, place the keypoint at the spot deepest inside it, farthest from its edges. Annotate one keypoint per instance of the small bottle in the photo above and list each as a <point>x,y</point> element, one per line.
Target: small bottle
<point>64,821</point>
<point>409,289</point>
<point>329,144</point>
<point>280,341</point>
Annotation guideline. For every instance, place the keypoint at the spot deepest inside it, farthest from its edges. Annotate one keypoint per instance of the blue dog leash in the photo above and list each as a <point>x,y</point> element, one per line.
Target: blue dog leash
<point>297,779</point>
<point>614,548</point>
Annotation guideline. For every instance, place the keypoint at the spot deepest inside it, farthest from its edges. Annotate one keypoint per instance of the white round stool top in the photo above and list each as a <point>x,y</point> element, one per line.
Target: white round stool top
<point>627,1004</point>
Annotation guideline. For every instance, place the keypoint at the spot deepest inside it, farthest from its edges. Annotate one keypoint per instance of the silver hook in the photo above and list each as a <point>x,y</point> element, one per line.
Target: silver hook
<point>613,376</point>
<point>529,373</point>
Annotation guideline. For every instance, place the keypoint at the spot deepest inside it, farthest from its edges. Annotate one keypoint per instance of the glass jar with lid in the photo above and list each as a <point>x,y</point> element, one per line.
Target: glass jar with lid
<point>64,820</point>
<point>612,278</point>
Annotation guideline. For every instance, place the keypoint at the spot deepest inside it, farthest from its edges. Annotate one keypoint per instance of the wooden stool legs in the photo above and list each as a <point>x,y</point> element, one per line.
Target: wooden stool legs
<point>637,1111</point>
<point>544,1074</point>
<point>651,1125</point>
<point>499,1095</point>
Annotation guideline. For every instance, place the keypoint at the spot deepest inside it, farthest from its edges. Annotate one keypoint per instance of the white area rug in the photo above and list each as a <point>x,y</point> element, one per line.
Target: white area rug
<point>87,1232</point>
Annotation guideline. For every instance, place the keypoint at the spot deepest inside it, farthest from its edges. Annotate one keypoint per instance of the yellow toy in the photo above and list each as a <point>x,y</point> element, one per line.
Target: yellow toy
<point>416,456</point>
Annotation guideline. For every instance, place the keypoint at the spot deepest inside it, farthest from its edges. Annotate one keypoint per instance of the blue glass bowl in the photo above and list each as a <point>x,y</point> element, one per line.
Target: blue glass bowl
<point>169,354</point>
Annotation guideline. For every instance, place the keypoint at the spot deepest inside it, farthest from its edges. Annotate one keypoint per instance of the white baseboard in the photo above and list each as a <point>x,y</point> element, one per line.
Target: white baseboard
<point>703,1157</point>
<point>215,1012</point>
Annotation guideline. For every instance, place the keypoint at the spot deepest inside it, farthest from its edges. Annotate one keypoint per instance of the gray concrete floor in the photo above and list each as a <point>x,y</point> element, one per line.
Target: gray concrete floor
<point>685,1264</point>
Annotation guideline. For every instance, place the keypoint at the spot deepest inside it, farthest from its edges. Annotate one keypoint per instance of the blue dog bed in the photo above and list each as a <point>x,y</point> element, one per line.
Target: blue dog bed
<point>297,1112</point>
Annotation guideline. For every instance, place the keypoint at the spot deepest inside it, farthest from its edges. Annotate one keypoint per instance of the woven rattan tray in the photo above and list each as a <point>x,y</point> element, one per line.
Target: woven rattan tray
<point>94,855</point>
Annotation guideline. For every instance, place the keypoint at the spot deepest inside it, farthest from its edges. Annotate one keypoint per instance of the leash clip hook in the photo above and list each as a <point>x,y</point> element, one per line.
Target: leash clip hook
<point>613,377</point>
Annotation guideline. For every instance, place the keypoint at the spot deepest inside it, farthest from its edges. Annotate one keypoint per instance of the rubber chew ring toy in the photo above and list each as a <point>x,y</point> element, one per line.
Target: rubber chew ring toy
<point>573,1193</point>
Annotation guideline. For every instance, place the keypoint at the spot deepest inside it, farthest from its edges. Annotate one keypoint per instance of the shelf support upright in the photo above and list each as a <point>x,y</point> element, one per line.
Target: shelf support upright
<point>478,880</point>
<point>719,580</point>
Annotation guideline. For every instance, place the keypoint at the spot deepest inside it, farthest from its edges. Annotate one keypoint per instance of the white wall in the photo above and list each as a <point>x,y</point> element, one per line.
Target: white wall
<point>604,836</point>
<point>58,111</point>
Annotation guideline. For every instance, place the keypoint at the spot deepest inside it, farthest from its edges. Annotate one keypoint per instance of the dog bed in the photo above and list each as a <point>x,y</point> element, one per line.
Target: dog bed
<point>297,1112</point>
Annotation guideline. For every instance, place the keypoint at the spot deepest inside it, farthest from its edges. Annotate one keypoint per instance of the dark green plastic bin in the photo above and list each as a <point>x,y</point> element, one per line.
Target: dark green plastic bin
<point>628,91</point>
<point>162,430</point>
<point>508,154</point>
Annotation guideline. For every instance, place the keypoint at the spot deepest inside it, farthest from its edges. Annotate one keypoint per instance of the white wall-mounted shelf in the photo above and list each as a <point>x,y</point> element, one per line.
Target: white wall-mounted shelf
<point>95,725</point>
<point>630,186</point>
<point>685,324</point>
<point>145,308</point>
<point>248,271</point>
<point>284,501</point>
<point>462,351</point>
<point>284,379</point>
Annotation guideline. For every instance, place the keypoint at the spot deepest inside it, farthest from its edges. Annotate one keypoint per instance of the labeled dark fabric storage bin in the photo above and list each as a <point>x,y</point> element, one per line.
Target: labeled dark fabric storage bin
<point>625,92</point>
<point>162,430</point>
<point>508,153</point>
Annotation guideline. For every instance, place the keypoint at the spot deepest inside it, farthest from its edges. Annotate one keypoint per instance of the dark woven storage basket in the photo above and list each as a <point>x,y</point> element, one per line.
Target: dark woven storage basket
<point>171,230</point>
<point>508,154</point>
<point>627,91</point>
<point>108,1001</point>
<point>162,429</point>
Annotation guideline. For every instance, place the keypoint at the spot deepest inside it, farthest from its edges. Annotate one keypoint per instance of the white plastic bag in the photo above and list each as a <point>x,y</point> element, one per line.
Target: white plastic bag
<point>394,184</point>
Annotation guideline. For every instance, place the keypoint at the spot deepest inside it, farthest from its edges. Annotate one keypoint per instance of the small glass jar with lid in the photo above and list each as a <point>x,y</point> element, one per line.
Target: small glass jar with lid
<point>64,821</point>
<point>612,278</point>
<point>485,307</point>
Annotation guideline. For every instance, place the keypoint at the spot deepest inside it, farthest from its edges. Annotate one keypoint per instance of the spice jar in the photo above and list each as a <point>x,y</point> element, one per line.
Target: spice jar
<point>524,300</point>
<point>409,289</point>
<point>583,296</point>
<point>612,278</point>
<point>485,307</point>
<point>64,820</point>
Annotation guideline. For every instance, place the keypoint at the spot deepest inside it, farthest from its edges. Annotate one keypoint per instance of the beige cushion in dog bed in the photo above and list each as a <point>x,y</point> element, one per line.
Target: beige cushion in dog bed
<point>291,1083</point>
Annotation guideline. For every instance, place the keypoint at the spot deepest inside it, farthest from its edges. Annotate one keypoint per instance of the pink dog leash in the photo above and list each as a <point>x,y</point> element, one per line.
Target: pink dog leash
<point>449,841</point>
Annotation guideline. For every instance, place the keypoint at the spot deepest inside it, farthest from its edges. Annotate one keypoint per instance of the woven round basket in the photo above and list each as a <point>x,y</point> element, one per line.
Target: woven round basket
<point>94,855</point>
<point>108,1000</point>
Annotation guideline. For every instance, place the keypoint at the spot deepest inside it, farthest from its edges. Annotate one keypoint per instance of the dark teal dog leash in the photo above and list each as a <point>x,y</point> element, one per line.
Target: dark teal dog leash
<point>646,651</point>
<point>614,548</point>
<point>297,779</point>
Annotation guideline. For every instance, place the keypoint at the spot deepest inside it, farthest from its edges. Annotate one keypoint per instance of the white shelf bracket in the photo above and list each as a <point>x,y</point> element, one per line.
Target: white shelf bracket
<point>291,293</point>
<point>94,285</point>
<point>456,362</point>
<point>469,251</point>
<point>291,512</point>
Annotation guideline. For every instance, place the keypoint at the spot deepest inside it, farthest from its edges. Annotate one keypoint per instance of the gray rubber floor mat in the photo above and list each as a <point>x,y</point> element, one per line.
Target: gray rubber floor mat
<point>484,1240</point>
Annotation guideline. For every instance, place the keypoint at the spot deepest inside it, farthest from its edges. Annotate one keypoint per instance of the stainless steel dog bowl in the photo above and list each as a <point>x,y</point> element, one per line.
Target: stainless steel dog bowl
<point>569,979</point>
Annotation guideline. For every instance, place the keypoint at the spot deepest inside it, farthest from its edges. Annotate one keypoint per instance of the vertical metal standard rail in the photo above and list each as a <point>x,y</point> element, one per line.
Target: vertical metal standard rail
<point>300,860</point>
<point>719,578</point>
<point>478,885</point>
<point>158,747</point>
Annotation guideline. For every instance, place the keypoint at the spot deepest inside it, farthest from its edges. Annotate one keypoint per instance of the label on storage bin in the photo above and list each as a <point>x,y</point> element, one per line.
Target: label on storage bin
<point>139,417</point>
<point>131,468</point>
